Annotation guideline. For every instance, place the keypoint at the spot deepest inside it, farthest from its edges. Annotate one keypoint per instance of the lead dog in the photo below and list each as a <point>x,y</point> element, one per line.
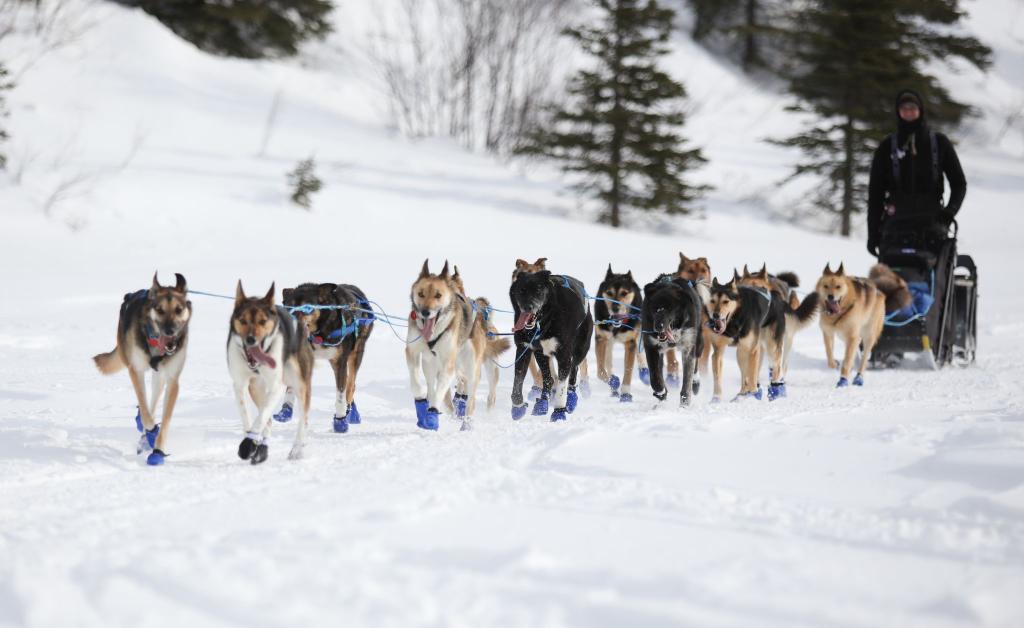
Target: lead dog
<point>672,313</point>
<point>444,342</point>
<point>337,334</point>
<point>152,335</point>
<point>552,320</point>
<point>267,353</point>
<point>617,314</point>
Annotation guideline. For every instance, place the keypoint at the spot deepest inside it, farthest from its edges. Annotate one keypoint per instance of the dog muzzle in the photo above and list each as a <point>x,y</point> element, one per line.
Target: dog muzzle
<point>526,320</point>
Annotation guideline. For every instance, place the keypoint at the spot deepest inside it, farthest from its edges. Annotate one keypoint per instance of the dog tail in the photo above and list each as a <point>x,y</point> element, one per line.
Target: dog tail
<point>805,311</point>
<point>897,293</point>
<point>110,362</point>
<point>790,279</point>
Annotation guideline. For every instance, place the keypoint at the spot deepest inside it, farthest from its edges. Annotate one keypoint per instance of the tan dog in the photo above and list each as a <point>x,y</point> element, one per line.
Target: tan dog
<point>854,308</point>
<point>444,342</point>
<point>152,335</point>
<point>496,345</point>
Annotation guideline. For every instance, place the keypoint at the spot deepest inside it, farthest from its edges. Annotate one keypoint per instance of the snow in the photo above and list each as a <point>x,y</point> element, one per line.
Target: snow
<point>899,504</point>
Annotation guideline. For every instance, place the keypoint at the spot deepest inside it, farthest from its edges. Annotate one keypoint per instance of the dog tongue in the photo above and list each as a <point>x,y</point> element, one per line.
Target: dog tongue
<point>523,321</point>
<point>428,328</point>
<point>256,355</point>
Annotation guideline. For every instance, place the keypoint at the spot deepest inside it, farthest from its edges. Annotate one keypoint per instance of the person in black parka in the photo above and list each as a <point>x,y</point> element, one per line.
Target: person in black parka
<point>906,188</point>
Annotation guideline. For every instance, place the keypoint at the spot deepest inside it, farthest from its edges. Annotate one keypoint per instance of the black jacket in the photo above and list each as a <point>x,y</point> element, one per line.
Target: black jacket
<point>914,200</point>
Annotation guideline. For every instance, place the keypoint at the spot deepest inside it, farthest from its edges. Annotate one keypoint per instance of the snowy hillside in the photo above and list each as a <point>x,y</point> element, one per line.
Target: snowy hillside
<point>899,504</point>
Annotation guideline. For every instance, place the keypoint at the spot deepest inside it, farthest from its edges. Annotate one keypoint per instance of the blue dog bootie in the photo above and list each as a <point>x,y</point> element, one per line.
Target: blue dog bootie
<point>842,383</point>
<point>284,414</point>
<point>431,420</point>
<point>519,412</point>
<point>558,415</point>
<point>858,380</point>
<point>614,382</point>
<point>540,407</point>
<point>148,439</point>
<point>759,393</point>
<point>138,420</point>
<point>341,424</point>
<point>155,458</point>
<point>626,398</point>
<point>535,391</point>
<point>645,376</point>
<point>353,415</point>
<point>572,399</point>
<point>460,402</point>
<point>776,390</point>
<point>421,411</point>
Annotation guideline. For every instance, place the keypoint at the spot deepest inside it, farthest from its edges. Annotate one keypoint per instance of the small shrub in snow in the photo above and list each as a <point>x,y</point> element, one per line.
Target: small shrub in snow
<point>304,182</point>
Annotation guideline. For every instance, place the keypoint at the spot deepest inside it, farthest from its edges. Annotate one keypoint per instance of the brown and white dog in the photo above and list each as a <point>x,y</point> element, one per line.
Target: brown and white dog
<point>152,335</point>
<point>895,288</point>
<point>268,353</point>
<point>695,269</point>
<point>444,342</point>
<point>855,309</point>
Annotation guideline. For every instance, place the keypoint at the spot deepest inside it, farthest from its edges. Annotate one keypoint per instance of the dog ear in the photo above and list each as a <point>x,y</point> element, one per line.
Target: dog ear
<point>541,263</point>
<point>456,274</point>
<point>714,283</point>
<point>521,263</point>
<point>608,275</point>
<point>156,285</point>
<point>324,292</point>
<point>840,271</point>
<point>425,271</point>
<point>269,297</point>
<point>828,269</point>
<point>239,294</point>
<point>763,273</point>
<point>444,271</point>
<point>746,273</point>
<point>736,275</point>
<point>703,259</point>
<point>732,284</point>
<point>180,285</point>
<point>629,274</point>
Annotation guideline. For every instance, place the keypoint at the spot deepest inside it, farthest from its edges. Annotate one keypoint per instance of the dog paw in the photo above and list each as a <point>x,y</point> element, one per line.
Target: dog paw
<point>759,393</point>
<point>519,412</point>
<point>461,402</point>
<point>431,420</point>
<point>684,401</point>
<point>716,399</point>
<point>645,376</point>
<point>661,395</point>
<point>421,410</point>
<point>261,454</point>
<point>353,415</point>
<point>776,390</point>
<point>246,448</point>
<point>296,453</point>
<point>833,365</point>
<point>672,381</point>
<point>858,380</point>
<point>540,407</point>
<point>535,391</point>
<point>626,398</point>
<point>558,415</point>
<point>614,383</point>
<point>467,425</point>
<point>572,399</point>
<point>284,414</point>
<point>696,386</point>
<point>842,383</point>
<point>155,458</point>
<point>341,424</point>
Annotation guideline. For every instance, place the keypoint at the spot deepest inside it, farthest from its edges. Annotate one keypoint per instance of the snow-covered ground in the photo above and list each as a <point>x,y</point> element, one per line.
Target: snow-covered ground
<point>899,504</point>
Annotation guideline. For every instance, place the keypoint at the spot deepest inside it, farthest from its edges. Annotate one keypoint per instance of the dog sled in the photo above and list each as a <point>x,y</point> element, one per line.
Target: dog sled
<point>939,327</point>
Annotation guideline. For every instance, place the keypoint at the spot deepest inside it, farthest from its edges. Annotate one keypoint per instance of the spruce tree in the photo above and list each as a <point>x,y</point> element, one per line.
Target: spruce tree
<point>250,29</point>
<point>620,130</point>
<point>853,56</point>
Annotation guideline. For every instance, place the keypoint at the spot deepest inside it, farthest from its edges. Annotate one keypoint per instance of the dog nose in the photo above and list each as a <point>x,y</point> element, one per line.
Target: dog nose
<point>169,329</point>
<point>250,340</point>
<point>831,297</point>
<point>425,312</point>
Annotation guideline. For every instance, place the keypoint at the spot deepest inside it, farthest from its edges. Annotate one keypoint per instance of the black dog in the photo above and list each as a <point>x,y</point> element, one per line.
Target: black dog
<point>552,320</point>
<point>617,319</point>
<point>336,335</point>
<point>671,319</point>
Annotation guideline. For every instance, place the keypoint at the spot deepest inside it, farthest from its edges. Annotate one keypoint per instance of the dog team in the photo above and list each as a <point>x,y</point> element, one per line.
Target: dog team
<point>452,342</point>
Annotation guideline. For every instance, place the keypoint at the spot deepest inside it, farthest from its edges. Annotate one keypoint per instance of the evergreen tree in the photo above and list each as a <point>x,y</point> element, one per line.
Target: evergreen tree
<point>250,29</point>
<point>4,86</point>
<point>745,25</point>
<point>852,57</point>
<point>620,130</point>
